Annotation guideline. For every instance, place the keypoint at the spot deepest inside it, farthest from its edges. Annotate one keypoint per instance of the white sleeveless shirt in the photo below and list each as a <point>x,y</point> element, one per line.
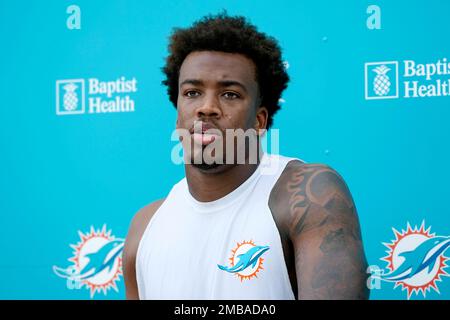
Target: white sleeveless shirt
<point>229,248</point>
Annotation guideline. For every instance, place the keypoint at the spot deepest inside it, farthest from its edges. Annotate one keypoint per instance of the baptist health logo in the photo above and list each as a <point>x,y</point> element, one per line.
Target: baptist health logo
<point>415,260</point>
<point>96,262</point>
<point>406,79</point>
<point>101,97</point>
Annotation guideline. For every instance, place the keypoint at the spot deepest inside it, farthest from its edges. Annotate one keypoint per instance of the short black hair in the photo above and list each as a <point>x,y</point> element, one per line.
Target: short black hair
<point>232,34</point>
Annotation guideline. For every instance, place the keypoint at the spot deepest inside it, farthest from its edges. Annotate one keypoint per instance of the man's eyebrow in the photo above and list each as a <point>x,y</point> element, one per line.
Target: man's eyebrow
<point>194,82</point>
<point>229,83</point>
<point>222,83</point>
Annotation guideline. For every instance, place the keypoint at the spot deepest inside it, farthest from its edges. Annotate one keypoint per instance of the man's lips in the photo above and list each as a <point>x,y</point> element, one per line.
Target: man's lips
<point>202,127</point>
<point>204,133</point>
<point>203,139</point>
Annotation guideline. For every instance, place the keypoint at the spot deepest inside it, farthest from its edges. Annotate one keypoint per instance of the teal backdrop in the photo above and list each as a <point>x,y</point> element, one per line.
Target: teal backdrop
<point>61,173</point>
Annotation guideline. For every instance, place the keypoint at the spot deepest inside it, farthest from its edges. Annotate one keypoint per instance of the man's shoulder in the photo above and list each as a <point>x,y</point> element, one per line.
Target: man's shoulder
<point>304,185</point>
<point>299,165</point>
<point>298,172</point>
<point>141,219</point>
<point>144,214</point>
<point>137,227</point>
<point>309,174</point>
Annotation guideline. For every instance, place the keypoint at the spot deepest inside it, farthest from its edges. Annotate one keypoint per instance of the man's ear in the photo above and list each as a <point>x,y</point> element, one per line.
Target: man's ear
<point>262,116</point>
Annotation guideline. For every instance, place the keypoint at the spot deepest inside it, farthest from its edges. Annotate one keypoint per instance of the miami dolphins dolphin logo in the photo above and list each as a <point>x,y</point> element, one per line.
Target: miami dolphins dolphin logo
<point>416,260</point>
<point>246,260</point>
<point>97,262</point>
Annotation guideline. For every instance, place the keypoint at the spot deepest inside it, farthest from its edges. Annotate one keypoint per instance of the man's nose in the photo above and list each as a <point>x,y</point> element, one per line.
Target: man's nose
<point>210,107</point>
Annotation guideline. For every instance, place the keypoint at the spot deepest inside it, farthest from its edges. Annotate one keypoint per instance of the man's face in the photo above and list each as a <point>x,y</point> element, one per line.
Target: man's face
<point>219,89</point>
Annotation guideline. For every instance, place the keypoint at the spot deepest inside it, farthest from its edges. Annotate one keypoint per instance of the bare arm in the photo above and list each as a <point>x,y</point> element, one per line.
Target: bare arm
<point>323,226</point>
<point>135,232</point>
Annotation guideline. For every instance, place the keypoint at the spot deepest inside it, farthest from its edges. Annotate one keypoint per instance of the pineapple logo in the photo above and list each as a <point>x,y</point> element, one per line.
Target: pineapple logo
<point>381,84</point>
<point>383,77</point>
<point>69,96</point>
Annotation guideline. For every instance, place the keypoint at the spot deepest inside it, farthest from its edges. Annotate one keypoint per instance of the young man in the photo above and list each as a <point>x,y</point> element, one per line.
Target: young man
<point>229,230</point>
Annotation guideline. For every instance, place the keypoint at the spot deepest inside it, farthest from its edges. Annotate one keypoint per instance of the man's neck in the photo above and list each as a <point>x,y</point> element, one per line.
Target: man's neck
<point>207,186</point>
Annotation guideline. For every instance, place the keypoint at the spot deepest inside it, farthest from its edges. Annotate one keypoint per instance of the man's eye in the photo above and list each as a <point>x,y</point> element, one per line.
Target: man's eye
<point>192,94</point>
<point>230,95</point>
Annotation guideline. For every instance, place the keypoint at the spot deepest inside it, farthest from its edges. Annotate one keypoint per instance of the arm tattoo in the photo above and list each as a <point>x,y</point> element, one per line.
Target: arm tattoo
<point>325,230</point>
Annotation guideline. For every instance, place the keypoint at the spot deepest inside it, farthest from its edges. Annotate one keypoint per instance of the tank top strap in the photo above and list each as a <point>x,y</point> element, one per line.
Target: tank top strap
<point>271,171</point>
